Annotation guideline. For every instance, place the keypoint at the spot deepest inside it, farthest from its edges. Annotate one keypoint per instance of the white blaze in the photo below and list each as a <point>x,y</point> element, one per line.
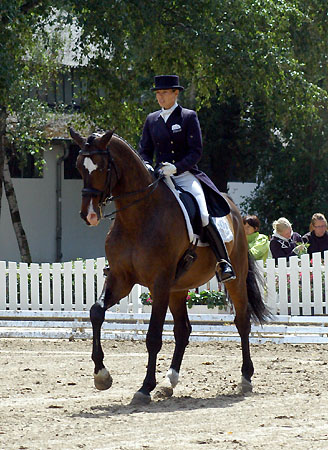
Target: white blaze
<point>92,216</point>
<point>89,165</point>
<point>90,208</point>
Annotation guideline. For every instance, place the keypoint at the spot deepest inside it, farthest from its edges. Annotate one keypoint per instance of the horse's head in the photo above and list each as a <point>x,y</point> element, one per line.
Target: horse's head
<point>95,166</point>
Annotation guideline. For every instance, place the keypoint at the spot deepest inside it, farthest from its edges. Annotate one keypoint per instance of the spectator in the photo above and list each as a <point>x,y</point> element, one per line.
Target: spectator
<point>284,240</point>
<point>258,244</point>
<point>317,237</point>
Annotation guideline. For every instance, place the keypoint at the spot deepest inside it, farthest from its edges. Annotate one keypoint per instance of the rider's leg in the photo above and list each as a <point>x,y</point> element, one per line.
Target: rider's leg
<point>215,240</point>
<point>189,183</point>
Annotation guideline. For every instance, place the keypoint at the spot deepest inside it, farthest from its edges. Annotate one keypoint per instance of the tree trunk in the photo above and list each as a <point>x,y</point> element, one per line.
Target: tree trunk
<point>14,213</point>
<point>2,152</point>
<point>3,119</point>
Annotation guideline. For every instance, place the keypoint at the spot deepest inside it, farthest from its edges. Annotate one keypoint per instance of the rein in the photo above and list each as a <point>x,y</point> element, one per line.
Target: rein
<point>103,199</point>
<point>151,186</point>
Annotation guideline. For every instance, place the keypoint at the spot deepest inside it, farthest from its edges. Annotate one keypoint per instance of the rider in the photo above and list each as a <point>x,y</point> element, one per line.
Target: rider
<point>173,136</point>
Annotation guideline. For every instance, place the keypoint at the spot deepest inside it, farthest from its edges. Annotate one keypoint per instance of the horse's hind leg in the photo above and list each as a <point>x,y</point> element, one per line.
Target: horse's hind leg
<point>108,298</point>
<point>182,330</point>
<point>238,295</point>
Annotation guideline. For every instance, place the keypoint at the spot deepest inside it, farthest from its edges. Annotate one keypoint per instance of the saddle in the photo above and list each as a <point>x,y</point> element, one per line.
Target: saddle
<point>192,208</point>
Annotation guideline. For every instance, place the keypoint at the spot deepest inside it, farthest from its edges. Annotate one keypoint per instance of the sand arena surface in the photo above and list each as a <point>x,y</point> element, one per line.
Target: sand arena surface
<point>48,401</point>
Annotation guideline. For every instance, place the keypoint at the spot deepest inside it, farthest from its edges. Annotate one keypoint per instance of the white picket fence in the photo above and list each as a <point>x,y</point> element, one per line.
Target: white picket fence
<point>69,286</point>
<point>53,300</point>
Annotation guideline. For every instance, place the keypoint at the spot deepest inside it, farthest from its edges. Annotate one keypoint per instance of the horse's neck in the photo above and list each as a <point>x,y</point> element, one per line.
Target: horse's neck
<point>132,174</point>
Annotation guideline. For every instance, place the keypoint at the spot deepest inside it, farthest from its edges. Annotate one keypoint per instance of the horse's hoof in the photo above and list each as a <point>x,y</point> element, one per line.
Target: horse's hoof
<point>140,399</point>
<point>163,392</point>
<point>244,387</point>
<point>103,380</point>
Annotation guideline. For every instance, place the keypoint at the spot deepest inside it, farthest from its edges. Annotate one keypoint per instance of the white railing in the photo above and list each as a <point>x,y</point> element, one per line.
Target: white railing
<point>299,287</point>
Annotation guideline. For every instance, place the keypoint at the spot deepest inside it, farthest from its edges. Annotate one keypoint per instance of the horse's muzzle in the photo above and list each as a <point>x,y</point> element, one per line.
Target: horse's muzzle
<point>84,217</point>
<point>92,219</point>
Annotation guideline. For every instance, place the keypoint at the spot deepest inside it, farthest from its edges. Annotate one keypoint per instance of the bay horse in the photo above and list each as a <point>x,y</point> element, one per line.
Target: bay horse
<point>144,246</point>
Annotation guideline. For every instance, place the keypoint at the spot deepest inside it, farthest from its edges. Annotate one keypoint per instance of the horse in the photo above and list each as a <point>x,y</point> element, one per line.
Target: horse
<point>144,246</point>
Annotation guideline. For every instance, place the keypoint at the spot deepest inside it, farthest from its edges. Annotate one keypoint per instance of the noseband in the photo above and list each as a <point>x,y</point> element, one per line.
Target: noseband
<point>89,191</point>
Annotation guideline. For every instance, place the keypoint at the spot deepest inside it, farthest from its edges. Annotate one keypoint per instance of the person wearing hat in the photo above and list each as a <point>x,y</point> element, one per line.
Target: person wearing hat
<point>172,137</point>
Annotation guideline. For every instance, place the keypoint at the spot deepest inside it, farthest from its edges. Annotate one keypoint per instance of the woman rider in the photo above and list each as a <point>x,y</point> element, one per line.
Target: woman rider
<point>173,136</point>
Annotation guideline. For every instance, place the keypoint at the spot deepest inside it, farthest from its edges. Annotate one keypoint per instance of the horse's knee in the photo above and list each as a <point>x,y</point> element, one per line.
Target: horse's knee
<point>182,331</point>
<point>97,314</point>
<point>153,342</point>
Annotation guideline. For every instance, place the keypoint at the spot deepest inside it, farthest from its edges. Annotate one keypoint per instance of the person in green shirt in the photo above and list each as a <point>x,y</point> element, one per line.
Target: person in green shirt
<point>258,244</point>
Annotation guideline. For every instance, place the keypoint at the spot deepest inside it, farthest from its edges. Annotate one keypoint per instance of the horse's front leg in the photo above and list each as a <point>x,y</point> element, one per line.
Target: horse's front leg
<point>154,344</point>
<point>182,330</point>
<point>110,296</point>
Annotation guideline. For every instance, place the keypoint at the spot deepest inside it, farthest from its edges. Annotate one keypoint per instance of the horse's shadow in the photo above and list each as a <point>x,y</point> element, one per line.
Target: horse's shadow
<point>172,404</point>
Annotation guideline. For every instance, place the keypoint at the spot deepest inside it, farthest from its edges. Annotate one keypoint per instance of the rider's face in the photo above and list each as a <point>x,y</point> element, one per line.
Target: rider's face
<point>167,97</point>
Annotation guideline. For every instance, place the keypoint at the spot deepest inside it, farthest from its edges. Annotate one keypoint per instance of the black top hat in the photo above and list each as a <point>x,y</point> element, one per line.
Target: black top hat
<point>167,82</point>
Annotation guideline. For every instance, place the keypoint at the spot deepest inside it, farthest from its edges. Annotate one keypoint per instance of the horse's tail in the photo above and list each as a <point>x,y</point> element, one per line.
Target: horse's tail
<point>257,309</point>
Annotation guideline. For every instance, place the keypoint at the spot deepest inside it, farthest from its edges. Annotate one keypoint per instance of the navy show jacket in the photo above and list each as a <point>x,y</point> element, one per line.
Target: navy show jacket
<point>179,142</point>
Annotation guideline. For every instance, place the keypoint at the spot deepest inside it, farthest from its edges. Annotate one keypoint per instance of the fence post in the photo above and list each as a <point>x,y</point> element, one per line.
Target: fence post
<point>35,284</point>
<point>12,284</point>
<point>78,286</point>
<point>326,280</point>
<point>317,283</point>
<point>68,305</point>
<point>282,285</point>
<point>101,262</point>
<point>90,282</point>
<point>306,286</point>
<point>271,285</point>
<point>294,286</point>
<point>24,303</point>
<point>56,287</point>
<point>45,290</point>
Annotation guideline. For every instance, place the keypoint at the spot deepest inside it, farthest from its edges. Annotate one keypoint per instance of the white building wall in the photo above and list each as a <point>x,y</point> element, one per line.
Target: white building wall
<point>238,191</point>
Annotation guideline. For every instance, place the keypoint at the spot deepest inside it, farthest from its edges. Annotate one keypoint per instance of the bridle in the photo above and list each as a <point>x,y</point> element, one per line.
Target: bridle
<point>104,199</point>
<point>89,191</point>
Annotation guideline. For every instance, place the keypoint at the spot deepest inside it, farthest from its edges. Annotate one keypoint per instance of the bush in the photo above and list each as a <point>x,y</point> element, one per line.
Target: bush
<point>205,297</point>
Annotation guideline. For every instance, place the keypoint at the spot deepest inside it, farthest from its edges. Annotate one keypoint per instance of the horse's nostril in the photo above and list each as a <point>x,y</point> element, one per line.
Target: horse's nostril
<point>92,219</point>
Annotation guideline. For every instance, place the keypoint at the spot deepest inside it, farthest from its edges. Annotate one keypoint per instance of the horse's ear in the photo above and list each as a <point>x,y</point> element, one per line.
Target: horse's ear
<point>103,141</point>
<point>77,137</point>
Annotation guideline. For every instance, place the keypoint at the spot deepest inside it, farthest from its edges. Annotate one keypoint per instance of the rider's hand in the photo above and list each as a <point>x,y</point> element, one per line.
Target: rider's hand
<point>168,169</point>
<point>149,167</point>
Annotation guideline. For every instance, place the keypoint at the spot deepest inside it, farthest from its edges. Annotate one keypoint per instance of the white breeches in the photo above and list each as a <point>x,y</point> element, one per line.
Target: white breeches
<point>189,183</point>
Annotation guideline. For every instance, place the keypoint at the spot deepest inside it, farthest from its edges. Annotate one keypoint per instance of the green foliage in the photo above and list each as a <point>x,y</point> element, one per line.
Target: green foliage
<point>242,50</point>
<point>145,298</point>
<point>30,49</point>
<point>205,297</point>
<point>292,181</point>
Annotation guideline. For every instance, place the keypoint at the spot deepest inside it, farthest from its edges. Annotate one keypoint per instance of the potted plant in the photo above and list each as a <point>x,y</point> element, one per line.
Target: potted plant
<point>210,300</point>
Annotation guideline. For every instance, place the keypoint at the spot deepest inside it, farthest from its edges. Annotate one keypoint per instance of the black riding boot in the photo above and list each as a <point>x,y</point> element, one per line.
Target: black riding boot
<point>226,272</point>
